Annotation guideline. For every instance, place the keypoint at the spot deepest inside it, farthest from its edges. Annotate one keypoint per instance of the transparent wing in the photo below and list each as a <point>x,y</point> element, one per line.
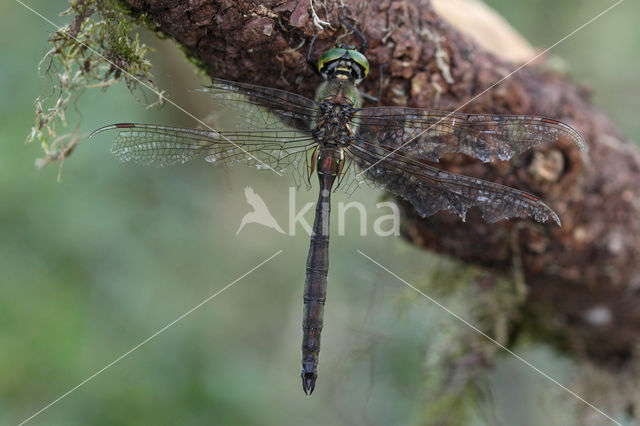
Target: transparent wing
<point>150,144</point>
<point>431,190</point>
<point>278,106</point>
<point>429,135</point>
<point>263,134</point>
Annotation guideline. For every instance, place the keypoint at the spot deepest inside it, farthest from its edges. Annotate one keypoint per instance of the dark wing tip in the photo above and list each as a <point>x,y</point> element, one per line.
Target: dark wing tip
<point>573,133</point>
<point>110,127</point>
<point>543,212</point>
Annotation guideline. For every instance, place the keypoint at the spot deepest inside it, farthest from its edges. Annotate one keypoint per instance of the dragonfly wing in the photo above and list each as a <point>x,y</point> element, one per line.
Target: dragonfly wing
<point>163,146</point>
<point>429,134</point>
<point>263,107</point>
<point>431,190</point>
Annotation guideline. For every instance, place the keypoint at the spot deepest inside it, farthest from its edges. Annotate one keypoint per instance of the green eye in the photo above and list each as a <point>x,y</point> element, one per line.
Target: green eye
<point>331,55</point>
<point>359,59</point>
<point>359,65</point>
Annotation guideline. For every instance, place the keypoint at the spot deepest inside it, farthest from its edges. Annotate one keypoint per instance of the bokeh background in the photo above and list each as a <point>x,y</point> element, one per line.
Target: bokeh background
<point>95,264</point>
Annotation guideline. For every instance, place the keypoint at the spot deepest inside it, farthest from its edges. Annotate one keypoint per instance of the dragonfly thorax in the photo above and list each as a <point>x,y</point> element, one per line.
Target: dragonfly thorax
<point>333,134</point>
<point>335,125</point>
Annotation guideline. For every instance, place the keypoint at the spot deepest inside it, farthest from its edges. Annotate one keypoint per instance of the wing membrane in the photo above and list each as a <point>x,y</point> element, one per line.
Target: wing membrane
<point>390,145</point>
<point>278,105</point>
<point>163,146</point>
<point>429,135</point>
<point>430,189</point>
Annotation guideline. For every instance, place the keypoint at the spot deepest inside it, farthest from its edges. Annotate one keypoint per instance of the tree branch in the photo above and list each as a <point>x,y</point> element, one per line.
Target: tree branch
<point>584,277</point>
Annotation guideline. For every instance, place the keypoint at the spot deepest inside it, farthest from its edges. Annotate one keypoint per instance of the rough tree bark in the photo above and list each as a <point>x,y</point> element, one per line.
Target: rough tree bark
<point>583,278</point>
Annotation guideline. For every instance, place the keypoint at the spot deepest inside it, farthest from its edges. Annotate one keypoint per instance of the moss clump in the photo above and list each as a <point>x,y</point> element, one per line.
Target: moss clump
<point>100,47</point>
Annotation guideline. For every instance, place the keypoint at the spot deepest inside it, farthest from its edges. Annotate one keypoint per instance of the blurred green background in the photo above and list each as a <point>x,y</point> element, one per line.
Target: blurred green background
<point>93,265</point>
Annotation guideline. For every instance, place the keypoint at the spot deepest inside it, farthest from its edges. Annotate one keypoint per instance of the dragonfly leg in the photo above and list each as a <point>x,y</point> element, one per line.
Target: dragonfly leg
<point>363,45</point>
<point>314,159</point>
<point>340,166</point>
<point>309,60</point>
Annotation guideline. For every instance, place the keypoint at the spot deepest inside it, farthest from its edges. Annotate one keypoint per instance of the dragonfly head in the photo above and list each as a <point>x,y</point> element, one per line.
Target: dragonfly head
<point>345,63</point>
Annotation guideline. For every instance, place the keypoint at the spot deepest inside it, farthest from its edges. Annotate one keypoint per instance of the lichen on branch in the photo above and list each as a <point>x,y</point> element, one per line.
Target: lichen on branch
<point>101,47</point>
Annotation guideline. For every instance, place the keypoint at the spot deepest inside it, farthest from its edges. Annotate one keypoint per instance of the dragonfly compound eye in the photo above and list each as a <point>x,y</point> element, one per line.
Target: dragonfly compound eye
<point>349,61</point>
<point>330,56</point>
<point>361,60</point>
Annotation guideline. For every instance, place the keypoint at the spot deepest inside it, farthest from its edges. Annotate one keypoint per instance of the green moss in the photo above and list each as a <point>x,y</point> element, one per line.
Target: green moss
<point>457,358</point>
<point>100,47</point>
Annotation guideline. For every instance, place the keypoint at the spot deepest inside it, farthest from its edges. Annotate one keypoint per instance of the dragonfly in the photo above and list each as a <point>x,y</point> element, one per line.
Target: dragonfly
<point>394,147</point>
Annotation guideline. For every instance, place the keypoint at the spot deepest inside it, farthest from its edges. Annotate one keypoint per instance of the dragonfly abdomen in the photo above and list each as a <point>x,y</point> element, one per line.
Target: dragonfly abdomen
<point>315,286</point>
